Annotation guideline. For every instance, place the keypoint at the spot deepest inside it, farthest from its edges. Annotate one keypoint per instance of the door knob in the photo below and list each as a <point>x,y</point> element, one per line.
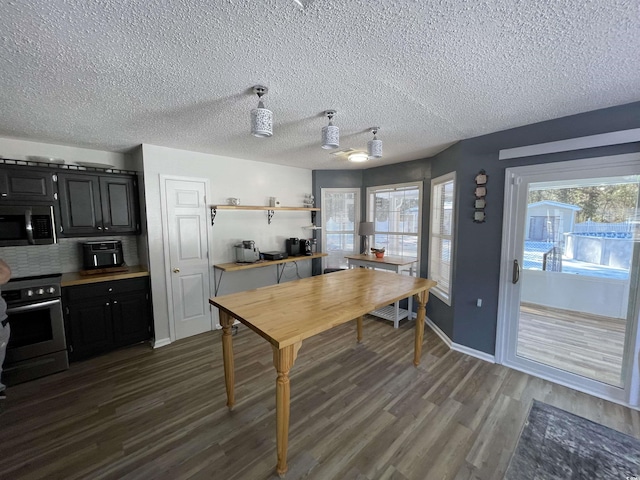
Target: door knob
<point>176,270</point>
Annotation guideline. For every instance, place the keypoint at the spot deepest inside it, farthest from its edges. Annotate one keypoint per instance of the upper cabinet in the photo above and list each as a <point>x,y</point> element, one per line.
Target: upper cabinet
<point>92,204</point>
<point>19,185</point>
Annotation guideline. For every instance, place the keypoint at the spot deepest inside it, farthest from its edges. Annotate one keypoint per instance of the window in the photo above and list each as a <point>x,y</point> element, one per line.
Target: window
<point>441,234</point>
<point>340,218</point>
<point>395,211</point>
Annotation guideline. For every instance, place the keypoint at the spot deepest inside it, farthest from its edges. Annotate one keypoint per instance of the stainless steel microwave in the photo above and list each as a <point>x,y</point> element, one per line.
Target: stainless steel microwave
<point>27,225</point>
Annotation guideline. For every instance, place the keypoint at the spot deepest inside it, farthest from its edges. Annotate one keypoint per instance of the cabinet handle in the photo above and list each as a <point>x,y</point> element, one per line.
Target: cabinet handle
<point>176,270</point>
<point>107,304</point>
<point>4,194</point>
<point>115,302</point>
<point>110,290</point>
<point>99,228</point>
<point>106,228</point>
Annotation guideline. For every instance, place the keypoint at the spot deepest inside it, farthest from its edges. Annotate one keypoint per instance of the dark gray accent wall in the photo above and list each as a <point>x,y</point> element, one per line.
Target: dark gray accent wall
<point>476,263</point>
<point>478,246</point>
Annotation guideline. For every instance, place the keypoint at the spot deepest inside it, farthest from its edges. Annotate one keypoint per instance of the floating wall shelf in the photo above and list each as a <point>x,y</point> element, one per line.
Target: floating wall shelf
<point>270,210</point>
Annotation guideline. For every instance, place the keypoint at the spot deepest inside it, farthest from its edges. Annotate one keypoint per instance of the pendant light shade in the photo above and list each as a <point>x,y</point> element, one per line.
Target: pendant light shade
<point>374,147</point>
<point>330,133</point>
<point>261,118</point>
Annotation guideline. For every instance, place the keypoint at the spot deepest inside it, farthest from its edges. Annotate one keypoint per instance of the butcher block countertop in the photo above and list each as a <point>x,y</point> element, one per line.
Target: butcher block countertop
<point>75,278</point>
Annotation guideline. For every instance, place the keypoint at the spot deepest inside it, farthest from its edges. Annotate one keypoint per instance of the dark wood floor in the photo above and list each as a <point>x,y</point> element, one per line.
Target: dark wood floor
<point>358,411</point>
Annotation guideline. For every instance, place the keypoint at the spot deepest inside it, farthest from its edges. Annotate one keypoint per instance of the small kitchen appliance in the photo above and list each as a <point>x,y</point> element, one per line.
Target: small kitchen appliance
<point>305,246</point>
<point>293,247</point>
<point>274,255</point>
<point>246,252</point>
<point>102,254</point>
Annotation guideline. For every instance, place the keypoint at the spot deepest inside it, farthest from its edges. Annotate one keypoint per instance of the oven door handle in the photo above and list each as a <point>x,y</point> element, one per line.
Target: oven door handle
<point>34,306</point>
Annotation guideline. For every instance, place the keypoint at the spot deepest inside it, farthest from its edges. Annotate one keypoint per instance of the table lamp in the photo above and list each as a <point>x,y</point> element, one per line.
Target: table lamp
<point>366,229</point>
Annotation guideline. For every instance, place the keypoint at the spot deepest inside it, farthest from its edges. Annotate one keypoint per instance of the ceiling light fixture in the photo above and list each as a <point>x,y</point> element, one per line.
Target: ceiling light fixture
<point>374,147</point>
<point>261,118</point>
<point>358,157</point>
<point>330,133</point>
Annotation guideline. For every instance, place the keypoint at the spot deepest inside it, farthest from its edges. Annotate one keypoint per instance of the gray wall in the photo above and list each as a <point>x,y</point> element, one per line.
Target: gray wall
<point>477,248</point>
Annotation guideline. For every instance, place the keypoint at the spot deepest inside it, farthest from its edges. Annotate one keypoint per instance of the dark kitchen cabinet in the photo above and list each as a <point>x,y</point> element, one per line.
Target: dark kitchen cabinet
<point>102,205</point>
<point>103,316</point>
<point>26,185</point>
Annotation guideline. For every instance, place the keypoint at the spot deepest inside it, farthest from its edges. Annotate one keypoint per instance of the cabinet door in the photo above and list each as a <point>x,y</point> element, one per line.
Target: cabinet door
<point>119,204</point>
<point>130,315</point>
<point>24,184</point>
<point>80,211</point>
<point>90,328</point>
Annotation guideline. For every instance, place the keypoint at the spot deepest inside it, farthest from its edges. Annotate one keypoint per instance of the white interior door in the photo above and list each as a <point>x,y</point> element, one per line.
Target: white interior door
<point>188,256</point>
<point>568,307</point>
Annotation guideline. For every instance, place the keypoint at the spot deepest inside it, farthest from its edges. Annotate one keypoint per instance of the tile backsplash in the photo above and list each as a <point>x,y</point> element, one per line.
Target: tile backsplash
<point>62,257</point>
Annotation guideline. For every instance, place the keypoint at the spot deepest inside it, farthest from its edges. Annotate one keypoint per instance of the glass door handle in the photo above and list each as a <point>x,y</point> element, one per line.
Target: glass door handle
<point>516,272</point>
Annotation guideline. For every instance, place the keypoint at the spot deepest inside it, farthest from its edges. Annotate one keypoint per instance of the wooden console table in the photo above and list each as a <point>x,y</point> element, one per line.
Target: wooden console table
<point>235,267</point>
<point>394,264</point>
<point>288,313</point>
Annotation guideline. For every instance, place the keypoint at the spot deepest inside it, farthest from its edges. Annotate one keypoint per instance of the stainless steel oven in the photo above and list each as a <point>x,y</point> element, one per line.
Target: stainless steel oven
<point>37,345</point>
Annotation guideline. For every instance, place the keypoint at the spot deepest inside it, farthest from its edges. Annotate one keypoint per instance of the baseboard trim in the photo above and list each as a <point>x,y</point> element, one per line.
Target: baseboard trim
<point>456,346</point>
<point>162,342</point>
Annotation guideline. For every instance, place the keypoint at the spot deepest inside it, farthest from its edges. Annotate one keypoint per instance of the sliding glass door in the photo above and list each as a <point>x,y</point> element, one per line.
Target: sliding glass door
<point>568,307</point>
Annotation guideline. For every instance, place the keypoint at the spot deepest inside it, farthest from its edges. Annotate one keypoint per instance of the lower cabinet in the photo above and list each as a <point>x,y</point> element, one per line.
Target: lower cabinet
<point>103,316</point>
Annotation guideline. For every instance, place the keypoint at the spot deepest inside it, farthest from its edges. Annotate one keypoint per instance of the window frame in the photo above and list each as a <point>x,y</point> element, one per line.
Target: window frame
<point>357,206</point>
<point>371,191</point>
<point>445,295</point>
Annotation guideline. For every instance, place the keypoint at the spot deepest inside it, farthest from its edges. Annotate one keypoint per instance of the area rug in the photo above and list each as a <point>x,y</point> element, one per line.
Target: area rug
<point>557,445</point>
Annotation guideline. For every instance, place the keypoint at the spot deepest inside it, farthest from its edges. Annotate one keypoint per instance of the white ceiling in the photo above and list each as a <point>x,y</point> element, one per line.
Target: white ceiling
<point>113,74</point>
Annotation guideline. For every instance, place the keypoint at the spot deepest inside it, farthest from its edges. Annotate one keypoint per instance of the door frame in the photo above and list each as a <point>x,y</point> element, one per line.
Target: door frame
<point>505,350</point>
<point>165,243</point>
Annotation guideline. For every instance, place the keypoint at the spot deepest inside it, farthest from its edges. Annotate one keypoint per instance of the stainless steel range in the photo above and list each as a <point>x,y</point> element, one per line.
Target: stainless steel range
<point>37,345</point>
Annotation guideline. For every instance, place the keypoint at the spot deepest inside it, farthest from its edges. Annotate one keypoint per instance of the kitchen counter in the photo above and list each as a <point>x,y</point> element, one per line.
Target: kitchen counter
<point>74,278</point>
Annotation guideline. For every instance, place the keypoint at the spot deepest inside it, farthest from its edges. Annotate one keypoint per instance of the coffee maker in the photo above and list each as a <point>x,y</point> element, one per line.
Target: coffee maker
<point>293,247</point>
<point>246,252</point>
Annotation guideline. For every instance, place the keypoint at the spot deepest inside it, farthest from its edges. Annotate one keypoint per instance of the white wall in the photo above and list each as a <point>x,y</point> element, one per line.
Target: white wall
<point>252,182</point>
<point>17,149</point>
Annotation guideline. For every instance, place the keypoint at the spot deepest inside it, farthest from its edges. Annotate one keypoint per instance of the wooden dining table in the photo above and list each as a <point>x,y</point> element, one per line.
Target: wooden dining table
<point>286,314</point>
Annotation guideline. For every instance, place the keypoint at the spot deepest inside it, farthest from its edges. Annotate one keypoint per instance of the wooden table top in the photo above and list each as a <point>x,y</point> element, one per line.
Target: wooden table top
<point>387,260</point>
<point>288,313</point>
<point>234,266</point>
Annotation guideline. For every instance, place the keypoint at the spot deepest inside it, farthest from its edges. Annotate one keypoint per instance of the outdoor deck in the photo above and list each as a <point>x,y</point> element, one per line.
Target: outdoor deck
<point>581,343</point>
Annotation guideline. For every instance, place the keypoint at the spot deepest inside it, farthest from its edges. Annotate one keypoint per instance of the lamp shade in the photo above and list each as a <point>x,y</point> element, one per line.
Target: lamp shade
<point>366,228</point>
<point>374,148</point>
<point>261,121</point>
<point>330,137</point>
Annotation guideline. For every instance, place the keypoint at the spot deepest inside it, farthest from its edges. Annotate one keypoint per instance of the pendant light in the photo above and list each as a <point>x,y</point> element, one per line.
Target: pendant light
<point>261,118</point>
<point>330,133</point>
<point>374,147</point>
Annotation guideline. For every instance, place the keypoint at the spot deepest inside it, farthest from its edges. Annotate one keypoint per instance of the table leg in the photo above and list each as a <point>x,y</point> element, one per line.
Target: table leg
<point>283,360</point>
<point>423,298</point>
<point>359,323</point>
<point>226,321</point>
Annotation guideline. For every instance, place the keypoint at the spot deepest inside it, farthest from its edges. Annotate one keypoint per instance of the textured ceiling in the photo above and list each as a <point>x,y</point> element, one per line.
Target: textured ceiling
<point>113,74</point>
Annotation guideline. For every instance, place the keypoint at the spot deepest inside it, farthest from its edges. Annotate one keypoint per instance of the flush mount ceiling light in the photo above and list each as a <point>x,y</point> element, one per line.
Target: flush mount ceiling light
<point>358,157</point>
<point>261,118</point>
<point>330,133</point>
<point>374,147</point>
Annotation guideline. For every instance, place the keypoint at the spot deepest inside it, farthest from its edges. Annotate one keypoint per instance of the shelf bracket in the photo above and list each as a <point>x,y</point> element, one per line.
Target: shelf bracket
<point>270,215</point>
<point>214,210</point>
